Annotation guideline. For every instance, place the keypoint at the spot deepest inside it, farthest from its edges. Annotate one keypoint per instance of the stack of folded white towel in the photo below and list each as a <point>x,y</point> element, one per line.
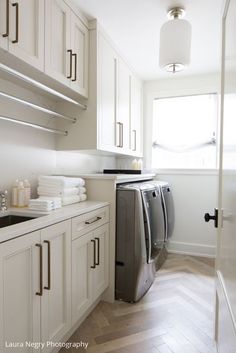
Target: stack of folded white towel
<point>57,191</point>
<point>68,190</point>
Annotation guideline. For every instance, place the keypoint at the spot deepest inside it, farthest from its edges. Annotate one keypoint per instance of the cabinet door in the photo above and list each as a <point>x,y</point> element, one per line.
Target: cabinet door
<point>81,276</point>
<point>4,29</point>
<point>19,283</point>
<point>136,117</point>
<point>100,273</point>
<point>26,39</point>
<point>56,299</point>
<point>107,80</point>
<point>123,108</point>
<point>58,58</point>
<point>79,45</point>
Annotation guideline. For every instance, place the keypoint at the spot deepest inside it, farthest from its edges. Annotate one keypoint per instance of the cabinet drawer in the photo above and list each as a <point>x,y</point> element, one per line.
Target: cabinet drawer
<point>89,221</point>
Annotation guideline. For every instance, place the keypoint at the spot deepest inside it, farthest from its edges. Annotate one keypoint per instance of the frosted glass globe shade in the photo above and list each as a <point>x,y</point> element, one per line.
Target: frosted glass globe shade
<point>175,45</point>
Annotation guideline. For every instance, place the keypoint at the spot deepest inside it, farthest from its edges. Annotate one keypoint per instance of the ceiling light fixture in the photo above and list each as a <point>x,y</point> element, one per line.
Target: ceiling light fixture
<point>175,42</point>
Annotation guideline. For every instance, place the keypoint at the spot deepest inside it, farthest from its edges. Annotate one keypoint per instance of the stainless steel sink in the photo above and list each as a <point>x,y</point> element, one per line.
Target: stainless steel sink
<point>9,220</point>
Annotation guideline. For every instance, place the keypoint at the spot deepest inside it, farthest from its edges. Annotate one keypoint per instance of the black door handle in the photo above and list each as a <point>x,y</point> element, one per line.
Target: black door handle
<point>214,218</point>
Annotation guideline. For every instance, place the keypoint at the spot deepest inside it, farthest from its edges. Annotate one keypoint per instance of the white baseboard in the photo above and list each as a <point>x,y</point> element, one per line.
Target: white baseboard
<point>191,249</point>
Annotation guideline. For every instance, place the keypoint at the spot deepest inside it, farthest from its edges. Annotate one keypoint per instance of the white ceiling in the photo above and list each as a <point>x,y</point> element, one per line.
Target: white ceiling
<point>134,26</point>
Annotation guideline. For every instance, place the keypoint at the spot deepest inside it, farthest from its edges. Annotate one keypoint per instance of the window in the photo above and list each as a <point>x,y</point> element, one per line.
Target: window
<point>184,131</point>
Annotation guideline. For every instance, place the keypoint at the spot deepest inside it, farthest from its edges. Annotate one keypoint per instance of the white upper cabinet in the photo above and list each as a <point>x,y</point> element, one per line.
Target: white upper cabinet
<point>66,47</point>
<point>79,45</point>
<point>135,139</point>
<point>4,24</point>
<point>106,124</point>
<point>49,36</point>
<point>22,30</point>
<point>57,40</point>
<point>123,107</point>
<point>119,103</point>
<point>107,72</point>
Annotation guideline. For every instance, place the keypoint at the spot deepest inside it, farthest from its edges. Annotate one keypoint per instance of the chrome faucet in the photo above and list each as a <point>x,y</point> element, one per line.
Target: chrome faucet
<point>3,203</point>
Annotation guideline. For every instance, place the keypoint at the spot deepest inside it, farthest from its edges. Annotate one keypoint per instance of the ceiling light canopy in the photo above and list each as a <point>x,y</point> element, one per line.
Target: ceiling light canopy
<point>175,42</point>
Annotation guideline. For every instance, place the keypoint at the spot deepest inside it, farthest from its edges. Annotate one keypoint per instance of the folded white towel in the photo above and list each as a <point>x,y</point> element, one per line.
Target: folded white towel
<point>40,202</point>
<point>40,208</point>
<point>82,190</point>
<point>83,197</point>
<point>50,198</point>
<point>61,181</point>
<point>51,191</point>
<point>70,200</point>
<point>73,199</point>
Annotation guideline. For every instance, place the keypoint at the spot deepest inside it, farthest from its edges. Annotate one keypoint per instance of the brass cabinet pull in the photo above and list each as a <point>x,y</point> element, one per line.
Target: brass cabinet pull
<point>135,140</point>
<point>40,293</point>
<point>93,220</point>
<point>48,287</point>
<point>16,5</point>
<point>98,252</point>
<point>6,34</point>
<point>94,253</point>
<point>70,51</point>
<point>75,74</point>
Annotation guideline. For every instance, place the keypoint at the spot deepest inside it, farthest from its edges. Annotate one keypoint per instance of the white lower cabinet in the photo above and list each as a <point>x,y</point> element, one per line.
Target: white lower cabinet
<point>100,272</point>
<point>81,278</point>
<point>35,288</point>
<point>89,269</point>
<point>56,298</point>
<point>19,285</point>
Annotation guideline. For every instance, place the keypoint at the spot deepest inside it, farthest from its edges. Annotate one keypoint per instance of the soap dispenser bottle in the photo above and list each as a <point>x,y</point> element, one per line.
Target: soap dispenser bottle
<point>27,192</point>
<point>15,193</point>
<point>21,194</point>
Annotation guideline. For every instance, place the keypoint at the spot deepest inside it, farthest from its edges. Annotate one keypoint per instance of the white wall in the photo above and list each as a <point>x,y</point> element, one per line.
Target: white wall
<point>80,163</point>
<point>24,152</point>
<point>194,195</point>
<point>195,192</point>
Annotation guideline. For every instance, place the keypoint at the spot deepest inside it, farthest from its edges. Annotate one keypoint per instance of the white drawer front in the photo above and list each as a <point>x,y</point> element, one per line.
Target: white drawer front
<point>89,221</point>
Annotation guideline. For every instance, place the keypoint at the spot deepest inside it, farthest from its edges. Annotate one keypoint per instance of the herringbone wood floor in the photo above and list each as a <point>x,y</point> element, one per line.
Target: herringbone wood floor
<point>175,316</point>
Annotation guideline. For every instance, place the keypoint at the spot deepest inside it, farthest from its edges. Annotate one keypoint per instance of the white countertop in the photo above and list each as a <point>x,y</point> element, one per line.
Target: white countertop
<point>45,219</point>
<point>118,178</point>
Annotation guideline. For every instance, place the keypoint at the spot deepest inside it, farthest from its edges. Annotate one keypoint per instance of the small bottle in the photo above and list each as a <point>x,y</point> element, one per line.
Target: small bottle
<point>134,164</point>
<point>21,194</point>
<point>140,164</point>
<point>27,192</point>
<point>15,193</point>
